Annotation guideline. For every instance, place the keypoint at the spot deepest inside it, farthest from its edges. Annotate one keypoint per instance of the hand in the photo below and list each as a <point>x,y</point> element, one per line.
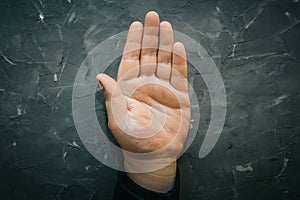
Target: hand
<point>148,107</point>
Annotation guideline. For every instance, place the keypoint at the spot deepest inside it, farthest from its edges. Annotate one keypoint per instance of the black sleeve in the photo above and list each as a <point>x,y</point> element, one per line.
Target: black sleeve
<point>128,189</point>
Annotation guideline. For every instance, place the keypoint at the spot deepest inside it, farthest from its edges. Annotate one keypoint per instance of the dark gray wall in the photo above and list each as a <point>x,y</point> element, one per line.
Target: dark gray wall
<point>255,44</point>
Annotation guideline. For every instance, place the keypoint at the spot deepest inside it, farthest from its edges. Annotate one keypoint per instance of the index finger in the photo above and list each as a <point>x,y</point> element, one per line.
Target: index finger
<point>131,54</point>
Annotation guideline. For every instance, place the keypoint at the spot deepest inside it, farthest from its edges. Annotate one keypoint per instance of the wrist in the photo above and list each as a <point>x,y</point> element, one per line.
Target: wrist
<point>161,180</point>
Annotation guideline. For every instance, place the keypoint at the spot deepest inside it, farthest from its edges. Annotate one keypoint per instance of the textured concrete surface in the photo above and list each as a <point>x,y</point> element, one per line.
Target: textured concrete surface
<point>255,45</point>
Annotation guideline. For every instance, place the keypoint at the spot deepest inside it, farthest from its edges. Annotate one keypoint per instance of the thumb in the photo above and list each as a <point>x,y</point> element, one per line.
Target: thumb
<point>116,103</point>
<point>111,88</point>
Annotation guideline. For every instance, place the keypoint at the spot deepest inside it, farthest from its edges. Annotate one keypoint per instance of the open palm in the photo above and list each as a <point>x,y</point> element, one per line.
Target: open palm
<point>149,105</point>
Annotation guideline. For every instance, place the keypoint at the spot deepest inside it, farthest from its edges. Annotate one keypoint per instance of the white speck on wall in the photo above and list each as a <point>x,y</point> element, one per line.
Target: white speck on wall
<point>285,164</point>
<point>74,144</point>
<point>14,143</point>
<point>7,59</point>
<point>72,17</point>
<point>218,9</point>
<point>87,168</point>
<point>41,17</point>
<point>69,1</point>
<point>278,100</point>
<point>287,14</point>
<point>55,77</point>
<point>253,20</point>
<point>191,126</point>
<point>65,154</point>
<point>233,51</point>
<point>37,80</point>
<point>42,4</point>
<point>244,168</point>
<point>59,92</point>
<point>19,111</point>
<point>118,44</point>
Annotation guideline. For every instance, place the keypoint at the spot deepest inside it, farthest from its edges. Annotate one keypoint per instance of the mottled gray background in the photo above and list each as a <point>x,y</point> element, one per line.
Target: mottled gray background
<point>255,44</point>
